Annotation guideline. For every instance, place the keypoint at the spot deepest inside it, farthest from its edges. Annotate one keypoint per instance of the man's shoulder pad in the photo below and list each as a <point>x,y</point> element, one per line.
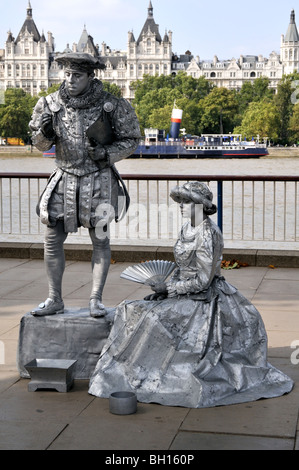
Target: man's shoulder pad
<point>110,102</point>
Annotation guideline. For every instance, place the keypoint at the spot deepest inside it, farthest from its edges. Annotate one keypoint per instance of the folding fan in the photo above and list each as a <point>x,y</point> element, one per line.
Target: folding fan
<point>150,272</point>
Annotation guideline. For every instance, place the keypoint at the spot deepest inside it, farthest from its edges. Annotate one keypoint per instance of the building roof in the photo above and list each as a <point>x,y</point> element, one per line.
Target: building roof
<point>150,25</point>
<point>292,32</point>
<point>86,43</point>
<point>83,41</point>
<point>114,60</point>
<point>30,26</point>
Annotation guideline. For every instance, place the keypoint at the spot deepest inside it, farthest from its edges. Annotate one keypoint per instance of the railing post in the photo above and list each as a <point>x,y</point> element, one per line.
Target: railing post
<point>220,204</point>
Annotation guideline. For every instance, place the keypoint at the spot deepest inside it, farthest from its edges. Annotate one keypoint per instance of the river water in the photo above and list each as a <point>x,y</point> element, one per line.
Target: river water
<point>214,166</point>
<point>239,222</point>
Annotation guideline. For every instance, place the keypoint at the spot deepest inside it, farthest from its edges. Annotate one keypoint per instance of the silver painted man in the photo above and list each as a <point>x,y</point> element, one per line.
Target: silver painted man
<point>92,130</point>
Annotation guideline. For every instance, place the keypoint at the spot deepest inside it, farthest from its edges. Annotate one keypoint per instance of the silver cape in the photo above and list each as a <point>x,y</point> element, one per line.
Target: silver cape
<point>204,348</point>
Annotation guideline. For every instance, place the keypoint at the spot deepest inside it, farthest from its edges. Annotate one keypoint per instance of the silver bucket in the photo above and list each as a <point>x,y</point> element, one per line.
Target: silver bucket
<point>123,403</point>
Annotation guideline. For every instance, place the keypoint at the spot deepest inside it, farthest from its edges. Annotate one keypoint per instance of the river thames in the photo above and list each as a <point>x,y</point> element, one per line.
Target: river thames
<point>214,166</point>
<point>263,215</point>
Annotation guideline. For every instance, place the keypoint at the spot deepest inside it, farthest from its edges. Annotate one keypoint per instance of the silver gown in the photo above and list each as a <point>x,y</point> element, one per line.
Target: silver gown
<point>206,347</point>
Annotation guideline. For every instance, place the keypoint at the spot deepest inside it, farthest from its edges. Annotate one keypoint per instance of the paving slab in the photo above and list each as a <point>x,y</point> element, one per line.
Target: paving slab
<point>17,404</point>
<point>21,435</point>
<point>153,427</point>
<point>204,441</point>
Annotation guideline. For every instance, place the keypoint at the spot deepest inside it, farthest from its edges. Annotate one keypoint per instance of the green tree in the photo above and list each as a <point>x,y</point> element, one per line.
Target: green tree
<point>50,90</point>
<point>15,114</point>
<point>218,111</point>
<point>294,125</point>
<point>155,97</point>
<point>255,91</point>
<point>261,118</point>
<point>285,103</point>
<point>112,88</point>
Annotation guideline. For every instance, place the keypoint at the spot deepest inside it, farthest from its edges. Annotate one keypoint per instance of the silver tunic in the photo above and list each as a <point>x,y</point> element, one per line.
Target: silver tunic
<point>80,184</point>
<point>203,348</point>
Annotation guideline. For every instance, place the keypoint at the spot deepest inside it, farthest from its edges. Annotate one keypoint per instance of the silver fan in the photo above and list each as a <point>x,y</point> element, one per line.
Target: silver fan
<point>149,272</point>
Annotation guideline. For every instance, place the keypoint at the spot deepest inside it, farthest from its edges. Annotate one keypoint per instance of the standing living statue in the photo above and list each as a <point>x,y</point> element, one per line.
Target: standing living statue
<point>92,130</point>
<point>197,342</point>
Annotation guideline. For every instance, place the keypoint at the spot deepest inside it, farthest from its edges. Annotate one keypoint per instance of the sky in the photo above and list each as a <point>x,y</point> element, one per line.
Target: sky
<point>226,29</point>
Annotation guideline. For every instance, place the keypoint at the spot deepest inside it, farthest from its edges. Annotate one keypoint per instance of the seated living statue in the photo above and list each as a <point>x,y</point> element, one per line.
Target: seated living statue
<point>197,342</point>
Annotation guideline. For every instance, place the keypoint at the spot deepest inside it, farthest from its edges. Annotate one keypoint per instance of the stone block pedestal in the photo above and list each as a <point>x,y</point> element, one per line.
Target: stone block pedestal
<point>74,335</point>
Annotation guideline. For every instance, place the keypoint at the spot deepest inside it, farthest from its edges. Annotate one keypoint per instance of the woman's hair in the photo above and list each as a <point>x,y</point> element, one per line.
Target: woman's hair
<point>197,192</point>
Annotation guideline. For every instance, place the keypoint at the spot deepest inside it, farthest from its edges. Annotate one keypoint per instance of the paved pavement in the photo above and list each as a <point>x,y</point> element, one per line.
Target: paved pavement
<point>78,421</point>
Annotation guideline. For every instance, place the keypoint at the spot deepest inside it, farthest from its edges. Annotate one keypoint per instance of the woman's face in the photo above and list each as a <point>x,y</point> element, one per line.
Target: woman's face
<point>187,209</point>
<point>192,211</point>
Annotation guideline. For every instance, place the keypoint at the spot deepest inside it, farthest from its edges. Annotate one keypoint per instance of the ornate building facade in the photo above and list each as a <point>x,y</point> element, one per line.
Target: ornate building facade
<point>27,62</point>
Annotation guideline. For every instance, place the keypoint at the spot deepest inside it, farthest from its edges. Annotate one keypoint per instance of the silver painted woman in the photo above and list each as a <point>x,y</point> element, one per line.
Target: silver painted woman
<point>196,342</point>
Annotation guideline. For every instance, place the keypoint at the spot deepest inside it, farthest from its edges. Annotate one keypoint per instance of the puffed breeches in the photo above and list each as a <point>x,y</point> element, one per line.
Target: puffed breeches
<point>79,200</point>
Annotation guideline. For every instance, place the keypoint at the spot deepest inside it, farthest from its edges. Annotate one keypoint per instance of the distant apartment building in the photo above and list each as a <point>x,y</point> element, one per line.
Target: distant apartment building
<point>27,61</point>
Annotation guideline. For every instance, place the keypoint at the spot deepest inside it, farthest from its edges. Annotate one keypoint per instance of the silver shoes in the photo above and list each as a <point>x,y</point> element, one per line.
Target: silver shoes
<point>52,307</point>
<point>49,307</point>
<point>96,308</point>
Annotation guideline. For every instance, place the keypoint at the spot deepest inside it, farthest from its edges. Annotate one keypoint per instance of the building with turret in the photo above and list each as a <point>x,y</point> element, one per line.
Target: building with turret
<point>150,54</point>
<point>289,47</point>
<point>27,62</point>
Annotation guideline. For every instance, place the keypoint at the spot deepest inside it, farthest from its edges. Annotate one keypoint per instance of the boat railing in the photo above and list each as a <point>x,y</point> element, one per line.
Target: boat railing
<point>253,211</point>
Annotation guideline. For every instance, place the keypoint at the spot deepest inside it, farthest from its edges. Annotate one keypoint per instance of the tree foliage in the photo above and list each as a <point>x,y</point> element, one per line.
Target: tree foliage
<point>218,110</point>
<point>294,125</point>
<point>15,114</point>
<point>285,104</point>
<point>156,96</point>
<point>253,110</point>
<point>260,119</point>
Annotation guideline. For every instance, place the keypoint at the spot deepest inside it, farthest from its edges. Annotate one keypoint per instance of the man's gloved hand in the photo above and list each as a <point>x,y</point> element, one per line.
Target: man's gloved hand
<point>47,126</point>
<point>97,153</point>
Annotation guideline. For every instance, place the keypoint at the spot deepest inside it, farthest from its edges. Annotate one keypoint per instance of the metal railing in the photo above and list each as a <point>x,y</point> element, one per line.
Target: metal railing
<point>253,211</point>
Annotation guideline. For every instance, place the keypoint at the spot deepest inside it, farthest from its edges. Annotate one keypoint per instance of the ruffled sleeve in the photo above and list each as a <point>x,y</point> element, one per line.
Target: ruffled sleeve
<point>126,130</point>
